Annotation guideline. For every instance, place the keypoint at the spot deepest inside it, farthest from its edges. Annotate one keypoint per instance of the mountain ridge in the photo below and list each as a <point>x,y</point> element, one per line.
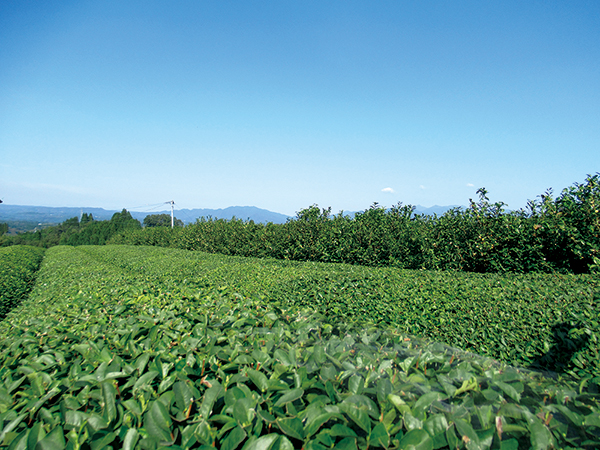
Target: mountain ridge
<point>53,214</point>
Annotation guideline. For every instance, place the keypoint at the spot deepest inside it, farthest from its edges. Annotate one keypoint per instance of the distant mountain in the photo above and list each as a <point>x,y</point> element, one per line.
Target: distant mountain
<point>47,214</point>
<point>240,212</point>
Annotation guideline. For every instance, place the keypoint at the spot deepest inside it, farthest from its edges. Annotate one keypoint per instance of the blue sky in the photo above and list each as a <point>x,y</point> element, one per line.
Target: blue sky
<point>284,104</point>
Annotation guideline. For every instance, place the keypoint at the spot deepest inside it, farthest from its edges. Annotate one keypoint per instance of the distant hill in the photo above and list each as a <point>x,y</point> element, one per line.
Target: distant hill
<point>50,215</point>
<point>240,212</point>
<point>47,214</point>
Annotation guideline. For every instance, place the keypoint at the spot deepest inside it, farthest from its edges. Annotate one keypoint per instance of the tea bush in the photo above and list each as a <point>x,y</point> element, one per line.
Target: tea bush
<point>121,347</point>
<point>518,319</point>
<point>18,267</point>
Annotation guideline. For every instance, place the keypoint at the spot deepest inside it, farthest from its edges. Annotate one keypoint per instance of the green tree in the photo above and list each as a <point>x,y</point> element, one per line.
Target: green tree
<point>3,228</point>
<point>86,218</point>
<point>161,220</point>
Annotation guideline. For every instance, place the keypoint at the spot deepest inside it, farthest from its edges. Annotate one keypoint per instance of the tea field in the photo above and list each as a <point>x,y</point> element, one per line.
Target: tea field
<point>19,265</point>
<point>146,347</point>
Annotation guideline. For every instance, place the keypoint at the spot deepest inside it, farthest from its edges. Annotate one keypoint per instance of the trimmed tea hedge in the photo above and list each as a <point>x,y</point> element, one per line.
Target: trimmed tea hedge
<point>18,266</point>
<point>121,348</point>
<point>544,321</point>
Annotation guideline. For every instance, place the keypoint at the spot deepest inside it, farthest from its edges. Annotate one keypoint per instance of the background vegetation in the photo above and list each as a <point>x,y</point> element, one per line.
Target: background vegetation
<point>559,234</point>
<point>86,231</point>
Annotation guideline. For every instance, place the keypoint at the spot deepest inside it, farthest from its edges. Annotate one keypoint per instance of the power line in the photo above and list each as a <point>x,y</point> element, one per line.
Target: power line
<point>151,206</point>
<point>156,206</point>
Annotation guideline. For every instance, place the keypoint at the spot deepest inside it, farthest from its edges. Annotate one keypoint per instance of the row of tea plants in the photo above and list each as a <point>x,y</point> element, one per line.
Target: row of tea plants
<point>136,347</point>
<point>559,234</point>
<point>543,321</point>
<point>18,266</point>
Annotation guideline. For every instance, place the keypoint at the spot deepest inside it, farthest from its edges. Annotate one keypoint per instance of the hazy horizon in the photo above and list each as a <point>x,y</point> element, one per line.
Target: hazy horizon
<point>282,105</point>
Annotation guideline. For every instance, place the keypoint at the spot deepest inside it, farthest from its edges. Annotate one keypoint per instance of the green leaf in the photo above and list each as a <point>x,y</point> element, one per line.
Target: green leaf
<point>282,357</point>
<point>96,422</point>
<point>509,390</point>
<point>55,440</point>
<point>468,434</point>
<point>348,443</point>
<point>540,436</point>
<point>131,438</point>
<point>290,396</point>
<point>145,380</point>
<point>511,444</point>
<point>411,422</point>
<point>243,411</point>
<point>358,416</point>
<point>453,441</point>
<point>36,434</point>
<point>109,394</point>
<point>384,388</point>
<point>425,402</point>
<point>592,419</point>
<point>210,397</point>
<point>74,419</point>
<point>313,425</point>
<point>416,440</point>
<point>292,426</point>
<point>397,401</point>
<point>157,422</point>
<point>341,431</point>
<point>436,424</point>
<point>101,442</point>
<point>379,437</point>
<point>259,379</point>
<point>204,433</point>
<point>486,437</point>
<point>355,384</point>
<point>264,442</point>
<point>233,439</point>
<point>183,395</point>
<point>283,443</point>
<point>331,393</point>
<point>576,419</point>
<point>11,426</point>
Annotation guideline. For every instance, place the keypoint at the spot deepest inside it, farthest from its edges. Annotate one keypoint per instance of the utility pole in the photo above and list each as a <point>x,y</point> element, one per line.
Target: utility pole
<point>172,202</point>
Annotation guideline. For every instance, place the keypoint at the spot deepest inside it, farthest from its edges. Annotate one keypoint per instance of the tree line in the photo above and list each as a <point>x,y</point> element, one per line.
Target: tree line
<point>559,234</point>
<point>551,234</point>
<point>84,230</point>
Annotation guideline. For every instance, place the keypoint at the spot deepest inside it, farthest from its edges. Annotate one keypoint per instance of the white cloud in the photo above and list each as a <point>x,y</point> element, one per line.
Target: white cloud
<point>470,185</point>
<point>389,190</point>
<point>422,187</point>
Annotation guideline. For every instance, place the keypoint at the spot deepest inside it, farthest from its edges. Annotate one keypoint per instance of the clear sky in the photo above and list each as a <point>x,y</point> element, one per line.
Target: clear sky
<point>284,104</point>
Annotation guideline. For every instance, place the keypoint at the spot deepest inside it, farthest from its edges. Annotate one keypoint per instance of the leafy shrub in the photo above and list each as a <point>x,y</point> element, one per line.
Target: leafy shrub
<point>553,235</point>
<point>117,348</point>
<point>19,266</point>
